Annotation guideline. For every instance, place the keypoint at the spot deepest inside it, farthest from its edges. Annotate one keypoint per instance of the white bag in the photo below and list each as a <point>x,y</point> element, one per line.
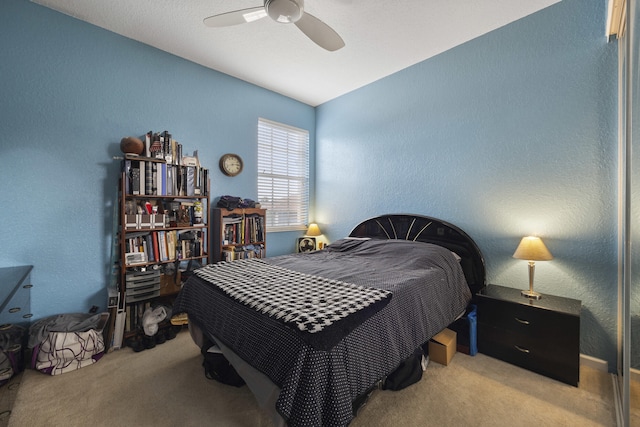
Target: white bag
<point>62,352</point>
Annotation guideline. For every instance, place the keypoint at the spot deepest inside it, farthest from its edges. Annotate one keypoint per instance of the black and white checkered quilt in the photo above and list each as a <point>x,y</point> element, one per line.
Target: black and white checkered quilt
<point>317,387</point>
<point>323,310</point>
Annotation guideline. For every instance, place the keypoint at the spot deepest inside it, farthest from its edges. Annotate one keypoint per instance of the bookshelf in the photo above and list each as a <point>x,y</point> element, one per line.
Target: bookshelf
<point>162,225</point>
<point>238,234</point>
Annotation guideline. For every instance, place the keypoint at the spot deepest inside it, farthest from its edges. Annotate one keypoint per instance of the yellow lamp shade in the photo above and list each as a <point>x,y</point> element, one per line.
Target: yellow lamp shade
<point>532,249</point>
<point>313,230</point>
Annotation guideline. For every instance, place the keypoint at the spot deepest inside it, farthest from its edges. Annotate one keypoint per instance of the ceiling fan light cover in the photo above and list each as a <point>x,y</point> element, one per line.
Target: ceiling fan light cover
<point>284,11</point>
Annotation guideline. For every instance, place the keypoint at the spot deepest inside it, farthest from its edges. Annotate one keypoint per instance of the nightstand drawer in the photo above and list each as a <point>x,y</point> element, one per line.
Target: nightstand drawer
<point>537,323</point>
<point>554,360</point>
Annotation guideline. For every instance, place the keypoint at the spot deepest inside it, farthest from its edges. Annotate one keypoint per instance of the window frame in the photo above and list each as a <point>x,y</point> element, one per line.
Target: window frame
<point>287,166</point>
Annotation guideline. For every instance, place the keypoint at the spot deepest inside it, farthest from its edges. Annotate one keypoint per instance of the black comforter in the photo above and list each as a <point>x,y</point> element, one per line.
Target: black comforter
<point>318,386</point>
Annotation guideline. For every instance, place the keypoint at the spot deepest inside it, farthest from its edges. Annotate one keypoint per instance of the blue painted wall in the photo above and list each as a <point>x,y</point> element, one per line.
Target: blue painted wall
<point>69,92</point>
<point>510,134</point>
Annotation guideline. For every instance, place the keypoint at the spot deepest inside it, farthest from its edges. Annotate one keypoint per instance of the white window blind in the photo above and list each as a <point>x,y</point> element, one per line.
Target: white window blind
<point>283,175</point>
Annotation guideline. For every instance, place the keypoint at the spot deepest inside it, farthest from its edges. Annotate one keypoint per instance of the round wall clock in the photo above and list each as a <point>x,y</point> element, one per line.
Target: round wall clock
<point>231,164</point>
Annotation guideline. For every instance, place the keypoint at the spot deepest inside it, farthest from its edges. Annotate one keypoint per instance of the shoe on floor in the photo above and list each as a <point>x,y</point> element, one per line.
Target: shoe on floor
<point>180,319</point>
<point>160,337</point>
<point>149,342</point>
<point>136,344</point>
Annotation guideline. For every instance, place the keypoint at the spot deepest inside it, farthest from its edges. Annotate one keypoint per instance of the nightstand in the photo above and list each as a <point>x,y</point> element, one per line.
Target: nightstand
<point>540,335</point>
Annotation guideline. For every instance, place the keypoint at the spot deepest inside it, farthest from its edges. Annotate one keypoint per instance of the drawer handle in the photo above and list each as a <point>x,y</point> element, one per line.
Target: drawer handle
<point>522,349</point>
<point>14,310</point>
<point>524,322</point>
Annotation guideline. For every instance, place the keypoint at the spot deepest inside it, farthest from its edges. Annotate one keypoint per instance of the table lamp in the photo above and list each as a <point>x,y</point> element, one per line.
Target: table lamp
<point>313,230</point>
<point>532,249</point>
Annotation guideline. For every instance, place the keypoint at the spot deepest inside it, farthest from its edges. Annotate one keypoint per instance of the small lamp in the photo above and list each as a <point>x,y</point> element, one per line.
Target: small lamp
<point>532,249</point>
<point>313,230</point>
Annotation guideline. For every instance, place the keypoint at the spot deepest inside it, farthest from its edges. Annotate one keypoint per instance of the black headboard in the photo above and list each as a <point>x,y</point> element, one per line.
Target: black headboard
<point>429,230</point>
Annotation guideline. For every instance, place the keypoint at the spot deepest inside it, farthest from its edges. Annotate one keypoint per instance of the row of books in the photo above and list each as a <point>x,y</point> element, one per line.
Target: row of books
<point>242,230</point>
<point>161,146</point>
<point>232,253</point>
<point>154,177</point>
<point>163,246</point>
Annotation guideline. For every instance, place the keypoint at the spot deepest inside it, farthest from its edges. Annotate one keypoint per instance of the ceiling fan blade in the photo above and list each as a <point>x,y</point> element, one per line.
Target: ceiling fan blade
<point>319,32</point>
<point>236,17</point>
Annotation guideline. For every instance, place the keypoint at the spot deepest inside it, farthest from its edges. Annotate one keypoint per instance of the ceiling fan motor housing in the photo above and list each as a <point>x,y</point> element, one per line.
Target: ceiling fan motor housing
<point>284,11</point>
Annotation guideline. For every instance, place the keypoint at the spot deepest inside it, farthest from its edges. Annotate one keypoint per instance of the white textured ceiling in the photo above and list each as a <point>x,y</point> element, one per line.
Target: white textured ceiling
<point>381,36</point>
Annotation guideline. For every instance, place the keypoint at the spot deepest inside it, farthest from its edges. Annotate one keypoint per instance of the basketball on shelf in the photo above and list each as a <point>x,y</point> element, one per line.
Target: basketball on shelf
<point>131,145</point>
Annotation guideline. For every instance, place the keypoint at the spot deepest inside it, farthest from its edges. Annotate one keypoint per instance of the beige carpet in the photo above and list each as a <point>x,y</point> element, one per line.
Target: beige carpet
<point>166,386</point>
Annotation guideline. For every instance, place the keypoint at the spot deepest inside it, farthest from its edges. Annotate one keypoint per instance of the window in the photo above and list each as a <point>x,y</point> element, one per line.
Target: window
<point>283,175</point>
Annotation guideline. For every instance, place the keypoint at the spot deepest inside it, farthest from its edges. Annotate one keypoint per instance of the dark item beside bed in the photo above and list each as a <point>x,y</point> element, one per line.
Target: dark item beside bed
<point>318,387</point>
<point>217,367</point>
<point>407,373</point>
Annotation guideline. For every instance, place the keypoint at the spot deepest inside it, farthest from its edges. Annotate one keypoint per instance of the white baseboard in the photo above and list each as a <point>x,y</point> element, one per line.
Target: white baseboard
<point>602,365</point>
<point>594,363</point>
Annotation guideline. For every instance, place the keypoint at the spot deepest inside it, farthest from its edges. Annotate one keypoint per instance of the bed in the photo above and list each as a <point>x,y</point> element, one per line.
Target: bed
<point>406,277</point>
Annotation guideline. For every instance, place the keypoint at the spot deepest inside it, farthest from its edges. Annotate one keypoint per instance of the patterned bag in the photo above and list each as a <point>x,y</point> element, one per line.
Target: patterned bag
<point>11,361</point>
<point>62,352</point>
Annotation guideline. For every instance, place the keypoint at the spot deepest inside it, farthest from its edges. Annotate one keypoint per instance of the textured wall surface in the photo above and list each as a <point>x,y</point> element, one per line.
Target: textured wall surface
<point>510,134</point>
<point>70,91</point>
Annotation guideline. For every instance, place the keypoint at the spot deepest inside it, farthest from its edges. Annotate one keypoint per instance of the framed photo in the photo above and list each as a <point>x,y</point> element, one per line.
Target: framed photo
<point>306,244</point>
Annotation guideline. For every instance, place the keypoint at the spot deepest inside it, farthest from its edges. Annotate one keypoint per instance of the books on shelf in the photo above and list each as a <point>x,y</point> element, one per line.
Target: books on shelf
<point>233,253</point>
<point>241,230</point>
<point>238,234</point>
<point>171,244</point>
<point>163,246</point>
<point>149,176</point>
<point>190,244</point>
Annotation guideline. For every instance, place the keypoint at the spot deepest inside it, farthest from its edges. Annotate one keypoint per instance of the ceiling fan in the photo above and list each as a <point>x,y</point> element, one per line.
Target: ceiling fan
<point>285,12</point>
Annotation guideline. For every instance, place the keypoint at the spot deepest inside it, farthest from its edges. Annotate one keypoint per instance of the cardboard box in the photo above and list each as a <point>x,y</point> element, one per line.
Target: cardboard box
<point>169,286</point>
<point>442,347</point>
